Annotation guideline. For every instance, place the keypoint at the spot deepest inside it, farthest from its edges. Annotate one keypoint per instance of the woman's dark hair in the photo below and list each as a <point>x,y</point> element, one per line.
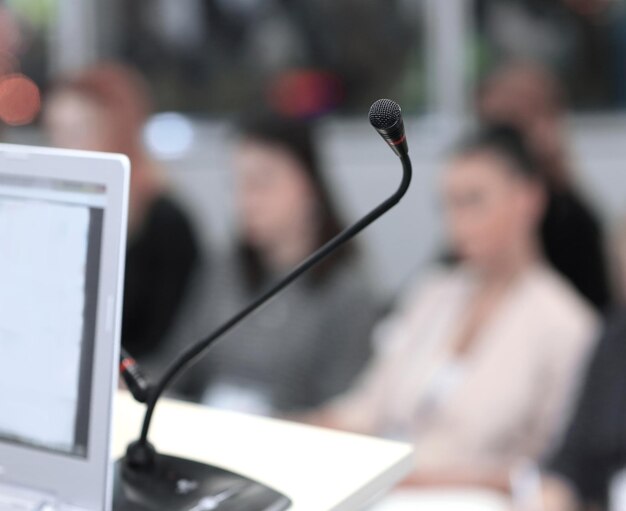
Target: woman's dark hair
<point>297,138</point>
<point>507,142</point>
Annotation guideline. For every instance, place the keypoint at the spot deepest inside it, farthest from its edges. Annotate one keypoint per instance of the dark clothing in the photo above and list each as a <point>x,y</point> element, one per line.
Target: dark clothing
<point>573,243</point>
<point>160,261</point>
<point>594,449</point>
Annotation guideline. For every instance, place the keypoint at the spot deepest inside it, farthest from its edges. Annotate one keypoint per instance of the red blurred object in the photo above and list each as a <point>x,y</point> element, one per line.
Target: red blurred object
<point>20,100</point>
<point>305,93</point>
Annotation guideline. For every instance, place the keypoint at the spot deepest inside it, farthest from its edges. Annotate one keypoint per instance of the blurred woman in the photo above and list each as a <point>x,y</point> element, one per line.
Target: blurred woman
<point>528,97</point>
<point>309,342</point>
<point>104,109</point>
<point>478,366</point>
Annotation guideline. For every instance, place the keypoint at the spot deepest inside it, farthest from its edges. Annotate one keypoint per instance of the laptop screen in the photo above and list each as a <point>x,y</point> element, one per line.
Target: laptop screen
<point>50,241</point>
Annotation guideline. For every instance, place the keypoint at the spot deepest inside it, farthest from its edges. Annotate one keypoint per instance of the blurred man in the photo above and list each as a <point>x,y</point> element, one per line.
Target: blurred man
<point>590,466</point>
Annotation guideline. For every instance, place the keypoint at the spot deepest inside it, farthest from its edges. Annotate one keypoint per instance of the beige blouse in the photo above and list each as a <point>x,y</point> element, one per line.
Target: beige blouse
<point>510,396</point>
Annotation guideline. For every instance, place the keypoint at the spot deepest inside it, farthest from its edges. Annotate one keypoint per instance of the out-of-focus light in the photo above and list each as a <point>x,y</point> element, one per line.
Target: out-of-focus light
<point>169,135</point>
<point>305,93</point>
<point>20,100</point>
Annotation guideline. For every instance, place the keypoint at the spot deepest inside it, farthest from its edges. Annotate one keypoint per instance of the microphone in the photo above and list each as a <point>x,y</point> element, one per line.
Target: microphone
<point>144,478</point>
<point>386,117</point>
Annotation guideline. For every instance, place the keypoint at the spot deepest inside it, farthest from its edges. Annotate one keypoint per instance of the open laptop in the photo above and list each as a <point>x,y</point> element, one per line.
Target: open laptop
<point>63,218</point>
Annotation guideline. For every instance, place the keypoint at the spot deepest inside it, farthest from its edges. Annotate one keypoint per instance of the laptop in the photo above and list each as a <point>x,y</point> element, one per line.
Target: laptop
<point>63,218</point>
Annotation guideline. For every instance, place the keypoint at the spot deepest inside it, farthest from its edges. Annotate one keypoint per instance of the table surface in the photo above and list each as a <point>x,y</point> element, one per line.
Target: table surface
<point>450,499</point>
<point>318,469</point>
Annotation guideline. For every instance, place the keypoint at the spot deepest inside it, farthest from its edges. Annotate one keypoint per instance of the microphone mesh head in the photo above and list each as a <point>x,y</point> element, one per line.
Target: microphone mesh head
<point>384,114</point>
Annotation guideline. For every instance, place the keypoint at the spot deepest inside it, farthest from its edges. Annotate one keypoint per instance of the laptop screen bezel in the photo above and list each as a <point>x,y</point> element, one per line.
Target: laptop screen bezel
<point>84,482</point>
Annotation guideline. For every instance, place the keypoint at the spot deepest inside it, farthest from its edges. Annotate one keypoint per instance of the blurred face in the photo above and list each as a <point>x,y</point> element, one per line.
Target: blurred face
<point>75,121</point>
<point>521,96</point>
<point>275,198</point>
<point>527,98</point>
<point>492,214</point>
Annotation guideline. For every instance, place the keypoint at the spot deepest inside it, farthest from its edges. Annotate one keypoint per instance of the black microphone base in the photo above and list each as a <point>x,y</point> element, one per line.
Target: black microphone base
<point>176,484</point>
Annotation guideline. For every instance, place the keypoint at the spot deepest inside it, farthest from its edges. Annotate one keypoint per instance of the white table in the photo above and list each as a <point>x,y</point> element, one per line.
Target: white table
<point>320,470</point>
<point>451,499</point>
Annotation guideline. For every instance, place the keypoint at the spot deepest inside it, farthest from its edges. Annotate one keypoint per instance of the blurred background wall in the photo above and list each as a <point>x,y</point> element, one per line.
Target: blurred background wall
<point>208,60</point>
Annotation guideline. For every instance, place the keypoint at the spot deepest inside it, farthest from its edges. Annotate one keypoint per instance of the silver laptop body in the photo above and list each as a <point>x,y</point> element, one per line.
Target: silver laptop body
<point>63,217</point>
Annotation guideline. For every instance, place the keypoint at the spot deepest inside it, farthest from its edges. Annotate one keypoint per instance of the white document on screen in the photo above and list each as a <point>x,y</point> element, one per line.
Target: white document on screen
<point>43,256</point>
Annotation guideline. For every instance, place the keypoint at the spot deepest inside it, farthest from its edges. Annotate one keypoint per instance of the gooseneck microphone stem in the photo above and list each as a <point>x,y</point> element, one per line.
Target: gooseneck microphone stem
<point>195,351</point>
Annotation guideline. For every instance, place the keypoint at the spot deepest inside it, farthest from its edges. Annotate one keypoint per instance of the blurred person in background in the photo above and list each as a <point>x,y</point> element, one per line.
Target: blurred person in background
<point>589,469</point>
<point>9,36</point>
<point>20,100</point>
<point>526,95</point>
<point>104,109</point>
<point>582,39</point>
<point>479,365</point>
<point>307,344</point>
